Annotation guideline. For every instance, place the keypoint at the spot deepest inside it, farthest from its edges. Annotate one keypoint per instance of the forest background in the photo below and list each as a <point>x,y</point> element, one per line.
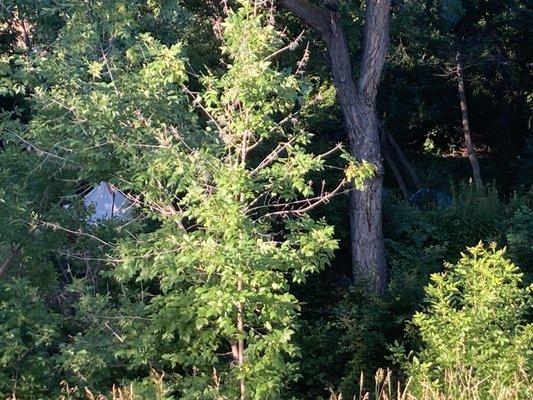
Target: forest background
<point>247,136</point>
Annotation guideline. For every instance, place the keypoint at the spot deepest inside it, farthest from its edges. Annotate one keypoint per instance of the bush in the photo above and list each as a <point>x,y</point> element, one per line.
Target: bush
<point>476,214</point>
<point>520,239</point>
<point>474,327</point>
<point>458,385</point>
<point>28,332</point>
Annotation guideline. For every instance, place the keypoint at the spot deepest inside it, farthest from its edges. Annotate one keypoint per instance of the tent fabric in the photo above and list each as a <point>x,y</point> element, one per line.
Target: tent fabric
<point>108,202</point>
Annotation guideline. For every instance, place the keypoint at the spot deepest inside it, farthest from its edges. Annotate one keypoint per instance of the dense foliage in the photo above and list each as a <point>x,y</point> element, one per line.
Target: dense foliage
<point>476,323</point>
<point>230,275</point>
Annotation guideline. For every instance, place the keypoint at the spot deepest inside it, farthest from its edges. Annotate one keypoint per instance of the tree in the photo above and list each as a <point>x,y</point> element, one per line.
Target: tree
<point>471,151</point>
<point>358,105</point>
<point>221,176</point>
<point>468,40</point>
<point>454,26</point>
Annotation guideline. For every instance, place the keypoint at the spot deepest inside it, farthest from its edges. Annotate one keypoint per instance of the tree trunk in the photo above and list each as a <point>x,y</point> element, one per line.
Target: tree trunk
<point>466,125</point>
<point>240,340</point>
<point>358,105</point>
<point>392,165</point>
<point>403,159</point>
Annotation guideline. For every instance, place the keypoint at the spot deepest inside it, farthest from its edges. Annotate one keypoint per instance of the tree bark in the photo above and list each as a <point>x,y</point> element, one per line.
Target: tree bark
<point>358,104</point>
<point>466,124</point>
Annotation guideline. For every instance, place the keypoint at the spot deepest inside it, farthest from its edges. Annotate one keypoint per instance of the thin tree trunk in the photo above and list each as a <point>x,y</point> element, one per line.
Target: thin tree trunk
<point>466,125</point>
<point>23,30</point>
<point>405,162</point>
<point>392,165</point>
<point>358,105</point>
<point>240,340</point>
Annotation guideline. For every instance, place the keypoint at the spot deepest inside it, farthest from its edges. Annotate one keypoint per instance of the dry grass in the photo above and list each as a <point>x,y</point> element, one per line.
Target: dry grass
<point>117,392</point>
<point>460,384</point>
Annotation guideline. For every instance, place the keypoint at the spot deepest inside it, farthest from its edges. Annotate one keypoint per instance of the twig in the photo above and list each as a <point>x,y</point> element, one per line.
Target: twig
<point>290,47</point>
<point>199,103</point>
<point>319,200</point>
<point>41,152</point>
<point>337,147</point>
<point>77,232</point>
<point>273,156</point>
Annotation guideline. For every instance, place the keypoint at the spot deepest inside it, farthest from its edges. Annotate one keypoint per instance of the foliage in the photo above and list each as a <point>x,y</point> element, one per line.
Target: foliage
<point>27,339</point>
<point>226,283</point>
<point>459,385</point>
<point>192,108</point>
<point>207,284</point>
<point>359,172</point>
<point>425,38</point>
<point>352,332</point>
<point>474,321</point>
<point>520,240</point>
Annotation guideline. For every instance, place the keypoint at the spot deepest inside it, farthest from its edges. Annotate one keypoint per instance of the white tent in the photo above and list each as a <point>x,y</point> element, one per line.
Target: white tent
<point>108,202</point>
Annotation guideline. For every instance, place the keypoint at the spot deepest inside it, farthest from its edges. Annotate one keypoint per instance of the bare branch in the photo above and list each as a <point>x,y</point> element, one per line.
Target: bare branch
<point>207,113</point>
<point>337,147</point>
<point>76,232</point>
<point>290,47</point>
<point>9,259</point>
<point>403,159</point>
<point>41,151</point>
<point>108,67</point>
<point>273,156</point>
<point>392,165</point>
<point>304,60</point>
<point>311,203</point>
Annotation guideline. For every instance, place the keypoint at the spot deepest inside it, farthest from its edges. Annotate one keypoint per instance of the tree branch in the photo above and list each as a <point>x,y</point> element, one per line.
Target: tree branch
<point>375,46</point>
<point>316,17</point>
<point>392,165</point>
<point>290,47</point>
<point>310,203</point>
<point>9,259</point>
<point>76,232</point>
<point>403,159</point>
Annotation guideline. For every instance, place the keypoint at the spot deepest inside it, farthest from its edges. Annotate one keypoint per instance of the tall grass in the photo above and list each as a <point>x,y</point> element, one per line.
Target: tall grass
<point>117,393</point>
<point>156,385</point>
<point>459,384</point>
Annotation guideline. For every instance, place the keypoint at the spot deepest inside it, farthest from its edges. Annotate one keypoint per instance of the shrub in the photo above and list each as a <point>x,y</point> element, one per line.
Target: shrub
<point>476,214</point>
<point>474,326</point>
<point>27,335</point>
<point>520,239</point>
<point>458,385</point>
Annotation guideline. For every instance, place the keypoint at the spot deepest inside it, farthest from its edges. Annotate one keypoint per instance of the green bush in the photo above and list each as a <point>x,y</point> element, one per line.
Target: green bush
<point>28,331</point>
<point>520,239</point>
<point>475,215</point>
<point>475,321</point>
